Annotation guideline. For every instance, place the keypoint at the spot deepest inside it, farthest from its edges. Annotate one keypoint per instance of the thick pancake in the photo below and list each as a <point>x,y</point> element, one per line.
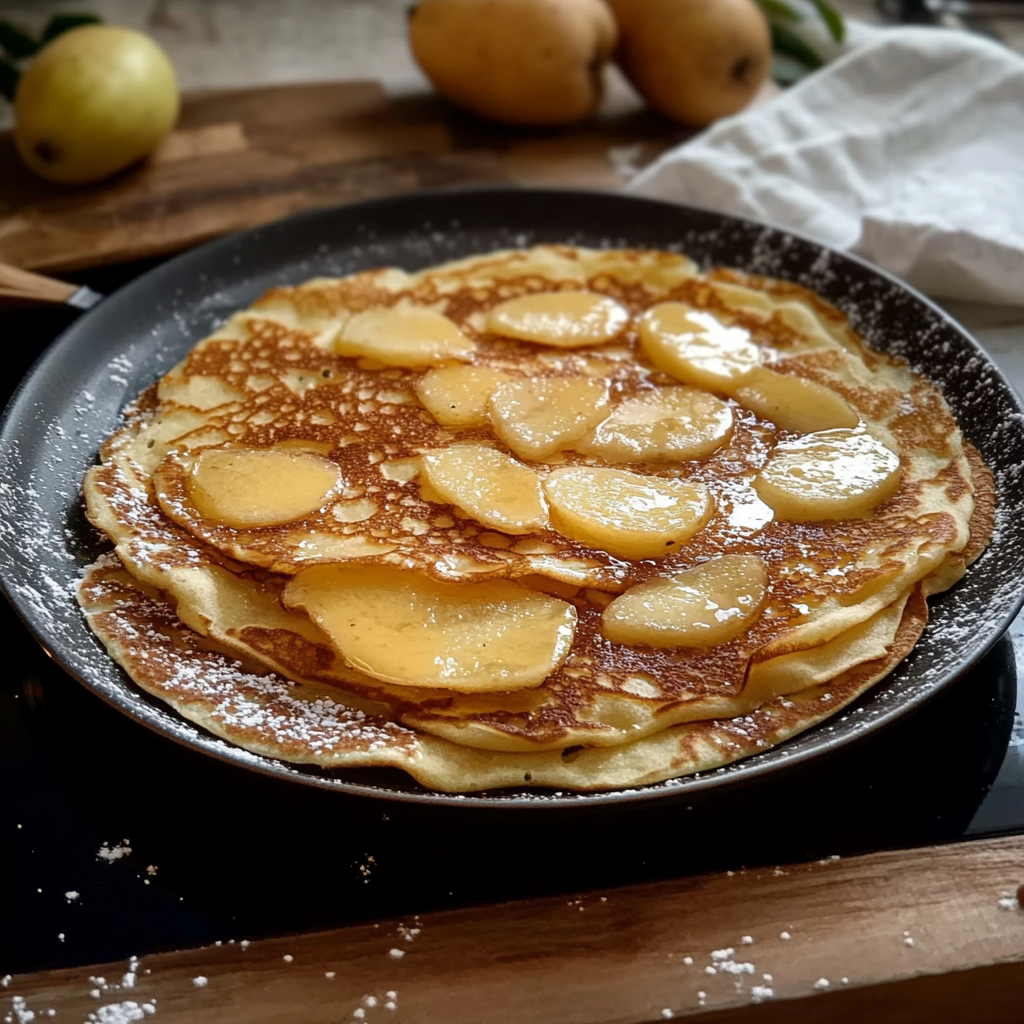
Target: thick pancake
<point>306,724</point>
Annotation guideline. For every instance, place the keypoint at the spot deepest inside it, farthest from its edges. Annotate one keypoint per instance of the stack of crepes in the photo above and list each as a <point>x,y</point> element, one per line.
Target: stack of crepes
<point>552,517</point>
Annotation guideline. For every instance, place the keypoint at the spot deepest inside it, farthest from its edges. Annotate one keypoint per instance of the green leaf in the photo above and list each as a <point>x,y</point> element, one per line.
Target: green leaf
<point>789,43</point>
<point>61,23</point>
<point>9,78</point>
<point>15,42</point>
<point>832,18</point>
<point>786,71</point>
<point>781,10</point>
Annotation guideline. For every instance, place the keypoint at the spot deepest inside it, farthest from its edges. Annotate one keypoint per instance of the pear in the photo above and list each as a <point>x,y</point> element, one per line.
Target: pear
<point>694,60</point>
<point>95,100</point>
<point>534,62</point>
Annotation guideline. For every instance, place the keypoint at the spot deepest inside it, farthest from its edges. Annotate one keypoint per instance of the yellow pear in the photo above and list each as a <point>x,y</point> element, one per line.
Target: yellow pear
<point>95,100</point>
<point>694,60</point>
<point>536,62</point>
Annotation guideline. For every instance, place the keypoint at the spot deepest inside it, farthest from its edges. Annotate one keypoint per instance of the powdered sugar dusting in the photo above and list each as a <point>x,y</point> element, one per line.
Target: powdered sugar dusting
<point>263,710</point>
<point>122,1013</point>
<point>112,853</point>
<point>20,1011</point>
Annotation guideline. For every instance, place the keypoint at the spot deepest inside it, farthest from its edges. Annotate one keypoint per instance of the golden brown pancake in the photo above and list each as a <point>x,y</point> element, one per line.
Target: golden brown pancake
<point>270,380</point>
<point>309,724</point>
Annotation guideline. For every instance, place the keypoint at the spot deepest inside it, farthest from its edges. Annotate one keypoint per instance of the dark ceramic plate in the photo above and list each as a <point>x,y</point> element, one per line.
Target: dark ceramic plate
<point>72,399</point>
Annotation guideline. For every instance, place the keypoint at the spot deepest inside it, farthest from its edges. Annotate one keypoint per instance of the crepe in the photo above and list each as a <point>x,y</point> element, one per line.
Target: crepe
<point>272,379</point>
<point>308,724</point>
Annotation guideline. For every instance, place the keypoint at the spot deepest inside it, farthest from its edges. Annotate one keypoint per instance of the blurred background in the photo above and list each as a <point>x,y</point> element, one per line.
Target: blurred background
<point>237,43</point>
<point>234,43</point>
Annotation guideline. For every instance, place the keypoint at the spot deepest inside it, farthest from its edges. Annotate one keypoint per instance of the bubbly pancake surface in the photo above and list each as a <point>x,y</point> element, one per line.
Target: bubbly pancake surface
<point>270,380</point>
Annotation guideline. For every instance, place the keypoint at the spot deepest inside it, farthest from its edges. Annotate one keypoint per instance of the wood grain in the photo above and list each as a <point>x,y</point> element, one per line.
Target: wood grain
<point>19,286</point>
<point>244,157</point>
<point>619,956</point>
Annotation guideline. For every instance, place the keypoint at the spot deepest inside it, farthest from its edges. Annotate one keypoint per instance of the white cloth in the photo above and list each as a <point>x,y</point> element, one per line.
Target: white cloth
<point>908,150</point>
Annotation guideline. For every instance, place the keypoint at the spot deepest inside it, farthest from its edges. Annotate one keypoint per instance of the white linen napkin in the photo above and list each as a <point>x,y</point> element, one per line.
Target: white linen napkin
<point>908,150</point>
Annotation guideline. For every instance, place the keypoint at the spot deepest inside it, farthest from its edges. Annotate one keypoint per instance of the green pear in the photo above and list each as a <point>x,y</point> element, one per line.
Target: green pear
<point>95,100</point>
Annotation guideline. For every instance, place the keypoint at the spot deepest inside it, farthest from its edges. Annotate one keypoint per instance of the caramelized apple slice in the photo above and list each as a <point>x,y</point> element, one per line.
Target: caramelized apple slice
<point>749,300</point>
<point>695,347</point>
<point>489,486</point>
<point>457,396</point>
<point>668,424</point>
<point>700,607</point>
<point>625,514</point>
<point>403,336</point>
<point>254,487</point>
<point>563,319</point>
<point>831,474</point>
<point>794,403</point>
<point>406,628</point>
<point>539,416</point>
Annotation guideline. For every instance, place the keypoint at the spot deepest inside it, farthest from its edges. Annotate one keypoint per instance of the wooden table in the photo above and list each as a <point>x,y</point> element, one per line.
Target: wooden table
<point>916,937</point>
<point>249,156</point>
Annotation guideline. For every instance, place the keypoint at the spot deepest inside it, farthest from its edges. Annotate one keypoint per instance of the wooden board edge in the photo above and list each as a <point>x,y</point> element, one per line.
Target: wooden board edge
<point>937,927</point>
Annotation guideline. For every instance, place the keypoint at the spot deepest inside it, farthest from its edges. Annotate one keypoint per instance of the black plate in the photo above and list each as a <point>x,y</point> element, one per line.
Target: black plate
<point>72,399</point>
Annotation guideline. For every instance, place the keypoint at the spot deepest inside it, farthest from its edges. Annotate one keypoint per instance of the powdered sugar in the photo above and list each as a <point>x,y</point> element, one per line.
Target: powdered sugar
<point>732,967</point>
<point>122,1013</point>
<point>112,853</point>
<point>20,1011</point>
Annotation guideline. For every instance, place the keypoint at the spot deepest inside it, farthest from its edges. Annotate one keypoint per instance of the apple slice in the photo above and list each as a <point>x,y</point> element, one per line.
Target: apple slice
<point>567,319</point>
<point>403,336</point>
<point>794,403</point>
<point>666,425</point>
<point>700,607</point>
<point>406,628</point>
<point>539,416</point>
<point>489,486</point>
<point>695,347</point>
<point>749,300</point>
<point>254,487</point>
<point>457,396</point>
<point>831,474</point>
<point>625,514</point>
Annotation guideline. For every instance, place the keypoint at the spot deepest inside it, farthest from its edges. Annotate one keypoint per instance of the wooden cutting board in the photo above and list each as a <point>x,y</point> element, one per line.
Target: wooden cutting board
<point>929,936</point>
<point>245,157</point>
